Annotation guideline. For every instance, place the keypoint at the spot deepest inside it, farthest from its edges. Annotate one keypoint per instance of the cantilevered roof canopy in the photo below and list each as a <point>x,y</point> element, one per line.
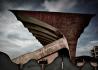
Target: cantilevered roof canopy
<point>43,25</point>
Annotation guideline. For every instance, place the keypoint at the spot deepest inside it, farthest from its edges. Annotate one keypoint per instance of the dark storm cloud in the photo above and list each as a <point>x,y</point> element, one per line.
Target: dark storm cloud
<point>12,4</point>
<point>79,5</point>
<point>82,2</point>
<point>88,6</point>
<point>59,5</point>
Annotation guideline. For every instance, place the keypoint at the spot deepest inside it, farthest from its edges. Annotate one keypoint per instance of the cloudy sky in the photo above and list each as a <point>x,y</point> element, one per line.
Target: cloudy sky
<point>16,40</point>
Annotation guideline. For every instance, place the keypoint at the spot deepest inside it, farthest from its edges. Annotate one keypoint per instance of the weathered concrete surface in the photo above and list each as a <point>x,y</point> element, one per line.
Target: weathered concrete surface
<point>70,24</point>
<point>43,52</point>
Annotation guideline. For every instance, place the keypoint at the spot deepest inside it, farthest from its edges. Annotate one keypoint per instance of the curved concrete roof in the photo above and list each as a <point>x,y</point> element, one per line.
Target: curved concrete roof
<point>71,25</point>
<point>44,32</point>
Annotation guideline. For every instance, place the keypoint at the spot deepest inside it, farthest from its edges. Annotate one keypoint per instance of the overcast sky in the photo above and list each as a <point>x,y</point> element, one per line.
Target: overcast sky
<point>16,40</point>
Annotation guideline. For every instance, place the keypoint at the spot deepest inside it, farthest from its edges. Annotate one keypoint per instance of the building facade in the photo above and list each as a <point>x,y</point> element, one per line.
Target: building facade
<point>94,52</point>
